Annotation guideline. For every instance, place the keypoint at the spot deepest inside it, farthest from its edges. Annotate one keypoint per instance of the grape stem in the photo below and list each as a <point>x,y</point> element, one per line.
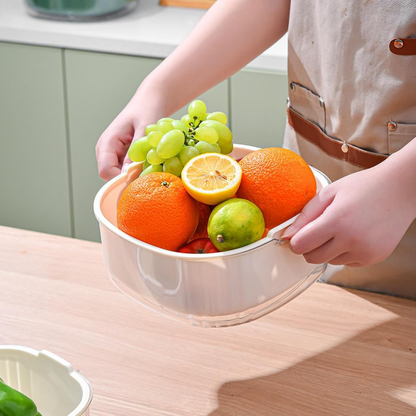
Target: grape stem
<point>193,124</point>
<point>191,133</point>
<point>188,138</point>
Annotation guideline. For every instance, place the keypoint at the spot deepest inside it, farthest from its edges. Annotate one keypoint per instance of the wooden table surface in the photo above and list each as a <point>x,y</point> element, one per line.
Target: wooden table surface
<point>331,351</point>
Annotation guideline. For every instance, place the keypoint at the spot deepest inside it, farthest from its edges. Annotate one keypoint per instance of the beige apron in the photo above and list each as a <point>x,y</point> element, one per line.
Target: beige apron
<point>352,72</point>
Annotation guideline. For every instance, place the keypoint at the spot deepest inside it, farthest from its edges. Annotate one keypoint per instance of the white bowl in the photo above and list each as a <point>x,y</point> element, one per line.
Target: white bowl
<point>210,290</point>
<point>47,379</point>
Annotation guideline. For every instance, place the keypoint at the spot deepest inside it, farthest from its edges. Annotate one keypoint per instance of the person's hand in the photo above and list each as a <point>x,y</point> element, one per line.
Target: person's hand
<point>112,147</point>
<point>358,220</point>
<point>128,126</point>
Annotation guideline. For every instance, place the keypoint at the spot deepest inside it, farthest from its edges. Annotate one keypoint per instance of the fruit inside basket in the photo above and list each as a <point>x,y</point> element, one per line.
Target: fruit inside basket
<point>206,289</point>
<point>191,187</point>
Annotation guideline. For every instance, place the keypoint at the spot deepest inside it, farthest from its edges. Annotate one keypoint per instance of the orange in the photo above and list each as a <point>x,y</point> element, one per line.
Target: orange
<point>278,181</point>
<point>157,209</point>
<point>201,230</point>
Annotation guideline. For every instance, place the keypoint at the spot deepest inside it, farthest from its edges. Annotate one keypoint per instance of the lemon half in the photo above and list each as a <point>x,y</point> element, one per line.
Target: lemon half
<point>211,178</point>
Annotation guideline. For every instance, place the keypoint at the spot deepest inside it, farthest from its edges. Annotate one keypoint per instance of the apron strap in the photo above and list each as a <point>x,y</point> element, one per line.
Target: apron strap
<point>333,147</point>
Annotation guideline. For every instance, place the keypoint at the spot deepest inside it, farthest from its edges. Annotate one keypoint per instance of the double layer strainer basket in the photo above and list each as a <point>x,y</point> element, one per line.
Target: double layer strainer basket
<point>209,290</point>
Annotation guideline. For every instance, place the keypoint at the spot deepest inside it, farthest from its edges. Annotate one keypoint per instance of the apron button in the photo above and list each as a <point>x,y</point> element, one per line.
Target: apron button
<point>391,125</point>
<point>344,147</point>
<point>292,86</point>
<point>398,43</point>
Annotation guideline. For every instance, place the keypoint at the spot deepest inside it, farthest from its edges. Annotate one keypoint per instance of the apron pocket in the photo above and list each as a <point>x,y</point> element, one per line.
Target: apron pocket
<point>399,135</point>
<point>330,145</point>
<point>307,103</point>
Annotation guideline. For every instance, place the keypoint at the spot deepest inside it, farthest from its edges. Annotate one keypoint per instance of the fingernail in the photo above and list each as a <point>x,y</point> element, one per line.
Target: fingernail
<point>125,167</point>
<point>289,232</point>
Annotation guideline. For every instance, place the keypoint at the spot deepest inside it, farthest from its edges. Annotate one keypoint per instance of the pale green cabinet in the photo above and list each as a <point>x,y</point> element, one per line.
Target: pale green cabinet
<point>99,85</point>
<point>34,184</point>
<point>258,107</point>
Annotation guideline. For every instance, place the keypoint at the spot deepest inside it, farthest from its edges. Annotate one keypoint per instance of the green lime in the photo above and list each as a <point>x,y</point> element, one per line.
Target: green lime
<point>235,223</point>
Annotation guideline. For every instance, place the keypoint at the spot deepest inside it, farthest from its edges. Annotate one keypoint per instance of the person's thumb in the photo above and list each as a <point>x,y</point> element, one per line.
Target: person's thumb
<point>127,161</point>
<point>312,210</point>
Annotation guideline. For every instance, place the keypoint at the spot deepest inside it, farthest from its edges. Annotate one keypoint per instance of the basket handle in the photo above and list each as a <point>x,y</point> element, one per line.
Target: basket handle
<point>276,232</point>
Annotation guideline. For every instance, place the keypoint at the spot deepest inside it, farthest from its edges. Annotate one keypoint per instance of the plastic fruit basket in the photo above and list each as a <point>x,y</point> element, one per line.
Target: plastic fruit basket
<point>47,379</point>
<point>209,290</point>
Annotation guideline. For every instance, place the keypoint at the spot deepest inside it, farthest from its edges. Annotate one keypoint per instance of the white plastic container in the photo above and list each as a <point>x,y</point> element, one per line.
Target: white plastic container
<point>210,290</point>
<point>47,379</point>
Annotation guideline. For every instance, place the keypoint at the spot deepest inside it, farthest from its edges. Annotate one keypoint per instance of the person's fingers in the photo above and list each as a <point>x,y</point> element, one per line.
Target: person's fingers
<point>325,253</point>
<point>356,264</point>
<point>127,161</point>
<point>108,164</point>
<point>110,151</point>
<point>312,236</point>
<point>351,260</point>
<point>360,257</point>
<point>126,164</point>
<point>342,258</point>
<point>312,210</point>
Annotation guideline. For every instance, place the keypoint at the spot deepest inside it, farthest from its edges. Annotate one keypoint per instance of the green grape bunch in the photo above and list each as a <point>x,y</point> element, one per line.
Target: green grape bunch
<point>170,144</point>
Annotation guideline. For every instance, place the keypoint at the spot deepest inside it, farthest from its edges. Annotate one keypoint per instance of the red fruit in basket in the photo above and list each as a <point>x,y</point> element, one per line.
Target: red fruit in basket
<point>157,209</point>
<point>201,229</point>
<point>278,181</point>
<point>200,246</point>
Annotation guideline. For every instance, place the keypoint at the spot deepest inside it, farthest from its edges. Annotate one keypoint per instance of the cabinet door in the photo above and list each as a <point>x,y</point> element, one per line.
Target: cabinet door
<point>258,107</point>
<point>99,85</point>
<point>34,185</point>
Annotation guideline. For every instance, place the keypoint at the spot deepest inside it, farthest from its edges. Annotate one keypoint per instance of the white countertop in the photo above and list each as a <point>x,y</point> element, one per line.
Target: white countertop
<point>150,31</point>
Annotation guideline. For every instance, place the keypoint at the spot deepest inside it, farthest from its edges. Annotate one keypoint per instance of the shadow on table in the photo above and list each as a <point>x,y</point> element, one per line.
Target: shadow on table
<point>371,378</point>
